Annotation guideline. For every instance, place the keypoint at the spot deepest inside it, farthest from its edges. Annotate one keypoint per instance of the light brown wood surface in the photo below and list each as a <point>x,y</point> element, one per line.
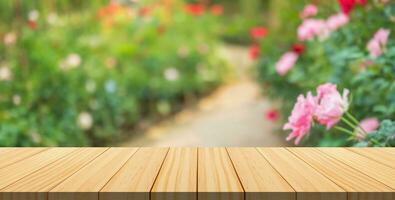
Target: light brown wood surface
<point>376,170</point>
<point>385,156</point>
<point>91,178</point>
<point>217,178</point>
<point>177,178</point>
<point>307,182</point>
<point>357,184</point>
<point>259,179</point>
<point>136,178</point>
<point>12,155</point>
<point>197,173</point>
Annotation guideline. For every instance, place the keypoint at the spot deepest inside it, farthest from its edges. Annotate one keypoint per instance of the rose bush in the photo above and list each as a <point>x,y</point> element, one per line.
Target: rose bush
<point>347,43</point>
<point>84,77</point>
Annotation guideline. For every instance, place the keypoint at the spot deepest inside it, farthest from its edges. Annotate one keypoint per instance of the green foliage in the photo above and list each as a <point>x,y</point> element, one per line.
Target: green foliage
<point>89,75</point>
<point>383,137</point>
<point>341,59</point>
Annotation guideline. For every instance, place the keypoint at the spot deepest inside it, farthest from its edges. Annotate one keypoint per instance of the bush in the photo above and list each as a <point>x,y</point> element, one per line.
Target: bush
<point>341,58</point>
<point>83,78</point>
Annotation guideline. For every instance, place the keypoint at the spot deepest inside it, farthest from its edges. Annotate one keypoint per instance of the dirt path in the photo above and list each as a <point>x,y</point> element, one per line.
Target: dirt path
<point>232,116</point>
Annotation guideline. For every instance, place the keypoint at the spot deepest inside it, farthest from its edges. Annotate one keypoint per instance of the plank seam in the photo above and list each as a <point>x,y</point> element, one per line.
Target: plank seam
<point>77,171</point>
<point>38,168</point>
<point>260,153</point>
<point>237,174</point>
<point>157,174</point>
<point>359,153</point>
<point>356,168</point>
<point>329,178</point>
<point>104,185</point>
<point>197,172</point>
<point>45,149</point>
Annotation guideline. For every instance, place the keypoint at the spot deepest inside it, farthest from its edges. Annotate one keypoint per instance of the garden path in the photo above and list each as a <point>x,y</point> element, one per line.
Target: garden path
<point>232,116</point>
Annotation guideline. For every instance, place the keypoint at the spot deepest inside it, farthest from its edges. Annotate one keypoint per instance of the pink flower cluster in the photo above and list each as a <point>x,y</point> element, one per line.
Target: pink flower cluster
<point>377,44</point>
<point>367,125</point>
<point>327,108</point>
<point>312,28</point>
<point>286,62</point>
<point>309,10</point>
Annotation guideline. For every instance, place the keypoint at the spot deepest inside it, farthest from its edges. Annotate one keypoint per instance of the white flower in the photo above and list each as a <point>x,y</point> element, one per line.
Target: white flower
<point>85,121</point>
<point>33,15</point>
<point>171,74</point>
<point>73,60</point>
<point>10,38</point>
<point>52,18</point>
<point>36,137</point>
<point>16,99</point>
<point>90,86</point>
<point>5,73</point>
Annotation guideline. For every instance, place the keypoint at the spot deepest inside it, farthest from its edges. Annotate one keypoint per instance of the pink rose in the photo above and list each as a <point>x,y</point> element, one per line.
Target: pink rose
<point>368,125</point>
<point>331,104</point>
<point>377,44</point>
<point>336,21</point>
<point>309,10</point>
<point>286,62</point>
<point>301,117</point>
<point>311,28</point>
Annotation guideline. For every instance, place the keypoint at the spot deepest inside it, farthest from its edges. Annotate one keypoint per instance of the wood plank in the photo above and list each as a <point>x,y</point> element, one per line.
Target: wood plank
<point>358,185</point>
<point>259,179</point>
<point>217,178</point>
<point>88,181</point>
<point>306,181</point>
<point>136,178</point>
<point>9,156</point>
<point>366,165</point>
<point>12,173</point>
<point>177,178</point>
<point>384,156</point>
<point>39,183</point>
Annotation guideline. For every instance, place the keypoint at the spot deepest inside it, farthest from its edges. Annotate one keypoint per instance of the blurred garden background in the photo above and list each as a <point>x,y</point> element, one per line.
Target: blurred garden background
<point>197,73</point>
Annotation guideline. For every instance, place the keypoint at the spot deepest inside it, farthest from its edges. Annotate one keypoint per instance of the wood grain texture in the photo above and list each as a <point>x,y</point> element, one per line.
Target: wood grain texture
<point>12,173</point>
<point>307,182</point>
<point>88,181</point>
<point>259,179</point>
<point>358,185</point>
<point>39,183</point>
<point>374,169</point>
<point>197,173</point>
<point>217,178</point>
<point>12,155</point>
<point>136,178</point>
<point>178,175</point>
<point>385,156</point>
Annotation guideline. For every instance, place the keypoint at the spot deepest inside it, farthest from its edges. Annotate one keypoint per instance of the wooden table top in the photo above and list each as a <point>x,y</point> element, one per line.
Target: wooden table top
<point>197,173</point>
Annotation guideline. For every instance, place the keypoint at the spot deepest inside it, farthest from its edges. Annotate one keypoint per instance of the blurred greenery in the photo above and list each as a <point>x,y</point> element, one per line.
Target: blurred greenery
<point>79,73</point>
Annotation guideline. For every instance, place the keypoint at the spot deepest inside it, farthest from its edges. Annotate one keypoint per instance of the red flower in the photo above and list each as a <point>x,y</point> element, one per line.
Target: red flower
<point>272,115</point>
<point>217,9</point>
<point>194,9</point>
<point>160,29</point>
<point>258,32</point>
<point>298,48</point>
<point>347,5</point>
<point>109,10</point>
<point>255,51</point>
<point>32,24</point>
<point>144,11</point>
